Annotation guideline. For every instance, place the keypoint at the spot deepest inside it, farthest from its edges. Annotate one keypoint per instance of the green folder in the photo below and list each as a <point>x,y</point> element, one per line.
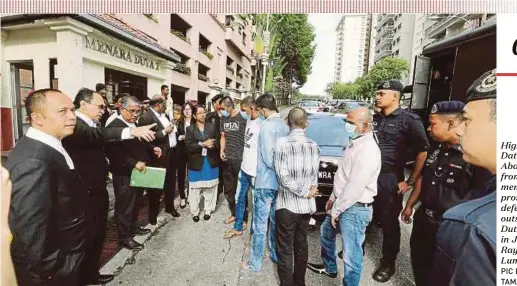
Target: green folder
<point>153,178</point>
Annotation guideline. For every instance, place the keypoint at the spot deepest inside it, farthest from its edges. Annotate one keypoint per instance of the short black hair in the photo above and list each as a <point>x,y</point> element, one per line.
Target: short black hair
<point>228,101</point>
<point>197,107</point>
<point>248,101</point>
<point>119,96</point>
<point>217,97</point>
<point>84,94</point>
<point>164,87</point>
<point>99,87</point>
<point>36,99</point>
<point>156,99</point>
<point>267,101</point>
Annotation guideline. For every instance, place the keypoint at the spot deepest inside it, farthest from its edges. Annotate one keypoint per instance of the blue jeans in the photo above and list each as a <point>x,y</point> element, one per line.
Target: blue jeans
<point>263,210</point>
<point>244,182</point>
<point>352,225</point>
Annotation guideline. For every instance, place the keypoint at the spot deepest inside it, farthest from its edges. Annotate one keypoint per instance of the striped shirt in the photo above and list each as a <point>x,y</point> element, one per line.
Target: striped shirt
<point>297,160</point>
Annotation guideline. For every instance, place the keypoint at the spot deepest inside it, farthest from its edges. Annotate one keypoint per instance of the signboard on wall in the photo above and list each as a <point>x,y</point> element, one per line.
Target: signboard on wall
<point>120,52</point>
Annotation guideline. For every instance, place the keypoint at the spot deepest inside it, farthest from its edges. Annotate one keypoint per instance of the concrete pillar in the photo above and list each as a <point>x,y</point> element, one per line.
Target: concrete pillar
<point>41,72</point>
<point>6,74</point>
<point>168,75</point>
<point>70,40</point>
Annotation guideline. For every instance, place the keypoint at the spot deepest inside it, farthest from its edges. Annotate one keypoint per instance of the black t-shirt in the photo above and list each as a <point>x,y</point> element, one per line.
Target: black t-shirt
<point>234,129</point>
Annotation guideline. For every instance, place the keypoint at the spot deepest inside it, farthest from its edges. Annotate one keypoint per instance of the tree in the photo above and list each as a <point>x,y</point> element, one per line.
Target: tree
<point>347,90</point>
<point>386,69</point>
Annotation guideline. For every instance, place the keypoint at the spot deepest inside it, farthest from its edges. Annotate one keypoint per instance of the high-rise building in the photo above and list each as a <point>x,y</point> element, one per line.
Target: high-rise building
<point>352,47</point>
<point>395,37</point>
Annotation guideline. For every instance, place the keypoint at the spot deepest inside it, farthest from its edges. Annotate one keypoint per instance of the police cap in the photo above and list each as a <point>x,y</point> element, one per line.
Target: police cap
<point>484,87</point>
<point>447,107</point>
<point>392,84</point>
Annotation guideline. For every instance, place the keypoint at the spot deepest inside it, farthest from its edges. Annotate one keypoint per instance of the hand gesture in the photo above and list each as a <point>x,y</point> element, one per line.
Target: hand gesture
<point>181,137</point>
<point>140,166</point>
<point>334,220</point>
<point>404,187</point>
<point>157,151</point>
<point>143,132</point>
<point>168,130</point>
<point>314,191</point>
<point>329,205</point>
<point>406,214</point>
<point>223,156</point>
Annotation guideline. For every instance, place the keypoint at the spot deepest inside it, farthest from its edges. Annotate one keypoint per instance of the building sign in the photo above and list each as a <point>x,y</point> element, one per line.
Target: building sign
<point>120,53</point>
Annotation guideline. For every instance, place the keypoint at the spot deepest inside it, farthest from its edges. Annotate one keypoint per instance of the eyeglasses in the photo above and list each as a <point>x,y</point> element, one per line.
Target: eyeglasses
<point>100,106</point>
<point>134,112</point>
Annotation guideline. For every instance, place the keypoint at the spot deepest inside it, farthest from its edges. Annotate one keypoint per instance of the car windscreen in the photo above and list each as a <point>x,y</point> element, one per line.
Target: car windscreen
<point>327,131</point>
<point>310,104</point>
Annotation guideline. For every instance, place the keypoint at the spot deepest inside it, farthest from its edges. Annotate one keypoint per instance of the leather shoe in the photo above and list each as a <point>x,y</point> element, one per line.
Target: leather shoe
<point>132,244</point>
<point>320,269</point>
<point>207,217</point>
<point>141,231</point>
<point>174,213</point>
<point>153,221</point>
<point>195,218</point>
<point>101,279</point>
<point>384,272</point>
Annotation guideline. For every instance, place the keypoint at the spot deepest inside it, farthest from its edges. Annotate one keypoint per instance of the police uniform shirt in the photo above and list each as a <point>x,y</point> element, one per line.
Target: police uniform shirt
<point>397,132</point>
<point>446,179</point>
<point>466,243</point>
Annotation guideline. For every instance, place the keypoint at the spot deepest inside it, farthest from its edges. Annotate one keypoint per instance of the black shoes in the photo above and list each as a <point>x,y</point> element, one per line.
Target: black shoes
<point>320,269</point>
<point>195,218</point>
<point>141,231</point>
<point>173,213</point>
<point>153,221</point>
<point>207,217</point>
<point>101,279</point>
<point>384,272</point>
<point>132,244</point>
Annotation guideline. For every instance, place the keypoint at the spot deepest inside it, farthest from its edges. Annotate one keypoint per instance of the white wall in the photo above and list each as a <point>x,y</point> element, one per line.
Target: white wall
<point>93,74</point>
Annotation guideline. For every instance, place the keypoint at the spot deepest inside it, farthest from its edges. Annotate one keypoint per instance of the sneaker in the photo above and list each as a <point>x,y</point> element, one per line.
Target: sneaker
<point>320,269</point>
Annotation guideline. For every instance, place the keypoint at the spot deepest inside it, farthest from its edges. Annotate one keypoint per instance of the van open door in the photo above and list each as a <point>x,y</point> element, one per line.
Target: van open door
<point>421,78</point>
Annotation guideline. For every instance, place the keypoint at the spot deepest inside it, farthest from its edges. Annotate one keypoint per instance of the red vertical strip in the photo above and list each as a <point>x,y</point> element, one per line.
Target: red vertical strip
<point>7,127</point>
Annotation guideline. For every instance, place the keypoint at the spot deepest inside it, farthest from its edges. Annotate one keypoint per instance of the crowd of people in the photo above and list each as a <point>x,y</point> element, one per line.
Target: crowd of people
<point>60,169</point>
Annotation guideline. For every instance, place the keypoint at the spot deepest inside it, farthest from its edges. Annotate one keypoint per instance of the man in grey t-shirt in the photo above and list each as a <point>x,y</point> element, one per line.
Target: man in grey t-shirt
<point>233,128</point>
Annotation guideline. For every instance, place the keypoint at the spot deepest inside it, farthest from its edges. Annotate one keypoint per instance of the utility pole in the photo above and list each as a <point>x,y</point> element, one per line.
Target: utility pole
<point>265,57</point>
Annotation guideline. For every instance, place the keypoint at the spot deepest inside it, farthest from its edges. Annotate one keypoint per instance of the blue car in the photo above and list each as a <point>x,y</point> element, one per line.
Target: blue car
<point>328,131</point>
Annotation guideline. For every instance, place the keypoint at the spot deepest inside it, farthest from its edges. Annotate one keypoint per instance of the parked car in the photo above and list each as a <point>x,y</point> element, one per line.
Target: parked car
<point>312,106</point>
<point>327,130</point>
<point>348,105</point>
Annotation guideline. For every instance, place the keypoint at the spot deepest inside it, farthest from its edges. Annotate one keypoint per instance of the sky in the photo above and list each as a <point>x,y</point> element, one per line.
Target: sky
<point>323,62</point>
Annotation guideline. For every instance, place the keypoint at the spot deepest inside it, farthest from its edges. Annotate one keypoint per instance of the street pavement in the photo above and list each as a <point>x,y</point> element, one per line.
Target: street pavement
<point>182,252</point>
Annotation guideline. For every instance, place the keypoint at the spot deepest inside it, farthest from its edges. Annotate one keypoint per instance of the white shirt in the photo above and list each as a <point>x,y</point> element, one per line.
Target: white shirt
<point>112,117</point>
<point>51,141</point>
<point>127,123</point>
<point>165,122</point>
<point>356,178</point>
<point>250,154</point>
<point>126,134</point>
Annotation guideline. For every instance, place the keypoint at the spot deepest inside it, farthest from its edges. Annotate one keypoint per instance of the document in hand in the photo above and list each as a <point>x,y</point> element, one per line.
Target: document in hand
<point>153,178</point>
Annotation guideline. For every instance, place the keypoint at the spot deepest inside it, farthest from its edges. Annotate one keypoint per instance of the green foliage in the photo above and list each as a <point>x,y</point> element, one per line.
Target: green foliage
<point>182,68</point>
<point>365,86</point>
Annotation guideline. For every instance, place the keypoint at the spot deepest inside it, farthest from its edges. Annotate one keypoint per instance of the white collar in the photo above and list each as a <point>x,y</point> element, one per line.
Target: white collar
<point>51,141</point>
<point>85,118</point>
<point>156,113</point>
<point>127,123</point>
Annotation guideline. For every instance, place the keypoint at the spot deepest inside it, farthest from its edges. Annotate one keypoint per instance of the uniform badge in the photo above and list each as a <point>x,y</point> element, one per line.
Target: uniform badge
<point>488,83</point>
<point>433,156</point>
<point>434,109</point>
<point>450,180</point>
<point>324,165</point>
<point>386,84</point>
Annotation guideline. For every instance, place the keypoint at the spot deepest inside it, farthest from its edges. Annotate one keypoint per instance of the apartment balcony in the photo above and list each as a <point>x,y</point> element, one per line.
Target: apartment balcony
<point>383,32</point>
<point>204,59</point>
<point>230,72</point>
<point>440,26</point>
<point>385,18</point>
<point>383,54</point>
<point>386,40</point>
<point>203,83</point>
<point>233,36</point>
<point>181,75</point>
<point>180,42</point>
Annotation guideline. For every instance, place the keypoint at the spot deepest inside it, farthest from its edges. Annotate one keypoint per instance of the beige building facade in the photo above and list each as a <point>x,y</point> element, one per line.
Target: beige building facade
<point>196,55</point>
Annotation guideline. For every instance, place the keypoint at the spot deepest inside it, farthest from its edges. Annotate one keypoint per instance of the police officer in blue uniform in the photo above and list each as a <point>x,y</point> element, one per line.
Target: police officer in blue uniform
<point>466,240</point>
<point>445,182</point>
<point>396,131</point>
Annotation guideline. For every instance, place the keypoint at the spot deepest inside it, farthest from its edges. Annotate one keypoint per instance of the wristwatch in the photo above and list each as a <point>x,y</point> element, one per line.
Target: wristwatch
<point>410,182</point>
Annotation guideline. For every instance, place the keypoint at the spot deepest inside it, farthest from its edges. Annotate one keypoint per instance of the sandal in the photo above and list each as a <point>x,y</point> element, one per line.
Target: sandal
<point>231,233</point>
<point>229,220</point>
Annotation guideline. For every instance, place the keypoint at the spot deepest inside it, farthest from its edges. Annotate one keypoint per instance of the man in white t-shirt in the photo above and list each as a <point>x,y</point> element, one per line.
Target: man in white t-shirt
<point>248,170</point>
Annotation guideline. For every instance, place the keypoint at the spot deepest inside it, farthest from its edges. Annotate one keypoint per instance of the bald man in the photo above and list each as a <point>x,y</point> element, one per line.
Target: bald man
<point>297,161</point>
<point>48,208</point>
<point>350,205</point>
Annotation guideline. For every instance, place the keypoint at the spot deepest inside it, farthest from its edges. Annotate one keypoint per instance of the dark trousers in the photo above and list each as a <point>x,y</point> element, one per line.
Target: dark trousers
<point>182,174</point>
<point>67,274</point>
<point>127,203</point>
<point>98,207</point>
<point>423,241</point>
<point>231,171</point>
<point>169,188</point>
<point>388,205</point>
<point>291,237</point>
